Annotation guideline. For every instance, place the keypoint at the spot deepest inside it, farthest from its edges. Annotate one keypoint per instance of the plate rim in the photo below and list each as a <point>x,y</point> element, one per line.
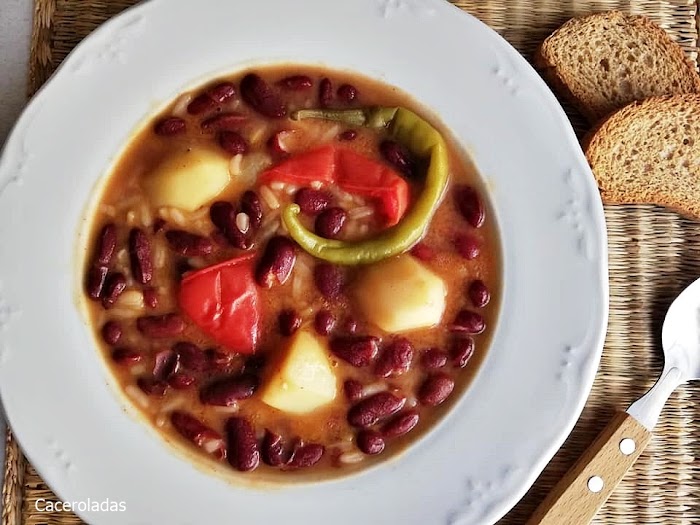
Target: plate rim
<point>597,343</point>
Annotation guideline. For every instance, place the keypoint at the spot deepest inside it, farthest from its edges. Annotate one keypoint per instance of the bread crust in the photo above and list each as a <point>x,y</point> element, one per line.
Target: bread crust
<point>552,76</point>
<point>662,184</point>
<point>561,76</point>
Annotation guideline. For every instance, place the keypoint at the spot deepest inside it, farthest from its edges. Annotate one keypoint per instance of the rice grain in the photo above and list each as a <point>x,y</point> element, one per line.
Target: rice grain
<point>180,107</point>
<point>137,395</point>
<point>269,197</point>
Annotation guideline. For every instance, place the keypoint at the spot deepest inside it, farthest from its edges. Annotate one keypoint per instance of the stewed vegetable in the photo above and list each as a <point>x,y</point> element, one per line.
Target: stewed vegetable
<point>294,271</point>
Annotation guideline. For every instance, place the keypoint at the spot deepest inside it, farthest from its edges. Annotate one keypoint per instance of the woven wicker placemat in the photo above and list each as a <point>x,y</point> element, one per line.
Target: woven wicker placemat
<point>653,255</point>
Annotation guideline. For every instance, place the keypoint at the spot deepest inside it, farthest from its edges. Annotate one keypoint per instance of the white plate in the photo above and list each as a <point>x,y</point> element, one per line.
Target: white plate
<point>481,459</point>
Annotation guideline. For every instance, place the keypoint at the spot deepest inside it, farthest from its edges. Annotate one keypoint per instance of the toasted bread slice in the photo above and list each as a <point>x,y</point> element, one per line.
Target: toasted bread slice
<point>605,61</point>
<point>649,153</point>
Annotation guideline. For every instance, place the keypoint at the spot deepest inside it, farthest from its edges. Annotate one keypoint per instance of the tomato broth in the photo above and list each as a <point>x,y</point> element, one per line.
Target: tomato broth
<point>236,335</point>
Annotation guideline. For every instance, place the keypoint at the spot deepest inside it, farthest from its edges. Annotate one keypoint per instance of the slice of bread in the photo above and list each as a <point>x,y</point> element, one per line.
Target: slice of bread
<point>649,153</point>
<point>604,61</point>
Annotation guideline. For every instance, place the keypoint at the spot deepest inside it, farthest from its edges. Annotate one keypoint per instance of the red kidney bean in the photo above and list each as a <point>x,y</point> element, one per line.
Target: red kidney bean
<point>181,381</point>
<point>150,297</point>
<point>243,453</point>
<point>114,287</point>
<point>238,239</point>
<point>224,122</point>
<point>277,262</point>
<point>200,104</point>
<point>306,456</point>
<point>296,82</point>
<point>402,424</point>
<point>250,205</point>
<point>259,95</point>
<point>189,244</point>
<point>189,426</point>
<point>470,205</point>
<point>325,92</point>
<point>225,392</point>
<point>191,356</point>
<point>124,356</point>
<point>374,408</point>
<point>170,126</point>
<point>359,351</point>
<point>166,364</point>
<point>397,156</point>
<point>468,322</point>
<point>222,92</point>
<point>462,351</point>
<point>159,225</point>
<point>395,359</point>
<point>97,275</point>
<point>329,280</point>
<point>223,216</point>
<point>435,389</point>
<point>198,433</point>
<point>140,252</point>
<point>353,390</point>
<point>434,358</point>
<point>216,360</point>
<point>348,135</point>
<point>233,142</point>
<point>273,449</point>
<point>330,222</point>
<point>479,294</point>
<point>311,201</point>
<point>152,386</point>
<point>423,252</point>
<point>349,325</point>
<point>347,93</point>
<point>324,322</point>
<point>111,332</point>
<point>160,326</point>
<point>289,322</point>
<point>467,246</point>
<point>277,142</point>
<point>211,98</point>
<point>106,245</point>
<point>370,442</point>
<point>104,251</point>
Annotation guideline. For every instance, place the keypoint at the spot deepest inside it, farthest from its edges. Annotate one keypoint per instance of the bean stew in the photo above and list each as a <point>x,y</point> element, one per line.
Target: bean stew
<point>293,271</point>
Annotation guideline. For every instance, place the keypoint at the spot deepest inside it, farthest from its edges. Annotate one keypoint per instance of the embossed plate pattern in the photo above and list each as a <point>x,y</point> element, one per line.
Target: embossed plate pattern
<point>87,444</point>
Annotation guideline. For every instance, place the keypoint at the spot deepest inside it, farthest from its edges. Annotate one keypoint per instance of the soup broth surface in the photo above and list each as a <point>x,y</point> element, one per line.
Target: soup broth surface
<point>155,231</point>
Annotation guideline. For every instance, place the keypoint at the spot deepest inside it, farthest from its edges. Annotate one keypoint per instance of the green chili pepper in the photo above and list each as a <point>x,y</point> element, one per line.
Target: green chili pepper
<point>424,141</point>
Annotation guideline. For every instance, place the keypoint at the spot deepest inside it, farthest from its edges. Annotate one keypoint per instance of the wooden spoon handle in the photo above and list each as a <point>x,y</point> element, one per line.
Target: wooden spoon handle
<point>585,488</point>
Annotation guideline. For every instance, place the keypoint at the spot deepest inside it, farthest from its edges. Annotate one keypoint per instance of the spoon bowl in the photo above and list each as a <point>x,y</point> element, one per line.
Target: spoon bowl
<point>680,339</point>
<point>680,335</point>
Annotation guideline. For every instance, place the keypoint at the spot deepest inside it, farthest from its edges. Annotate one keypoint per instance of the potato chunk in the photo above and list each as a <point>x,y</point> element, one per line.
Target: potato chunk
<point>302,380</point>
<point>189,179</point>
<point>400,294</point>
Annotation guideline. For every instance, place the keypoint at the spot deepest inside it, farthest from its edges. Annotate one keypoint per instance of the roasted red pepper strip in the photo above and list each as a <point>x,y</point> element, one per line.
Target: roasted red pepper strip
<point>304,168</point>
<point>352,172</point>
<point>360,175</point>
<point>223,301</point>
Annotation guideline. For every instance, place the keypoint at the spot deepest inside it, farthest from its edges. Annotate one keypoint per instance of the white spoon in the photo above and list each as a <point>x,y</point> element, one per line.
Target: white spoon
<point>587,485</point>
